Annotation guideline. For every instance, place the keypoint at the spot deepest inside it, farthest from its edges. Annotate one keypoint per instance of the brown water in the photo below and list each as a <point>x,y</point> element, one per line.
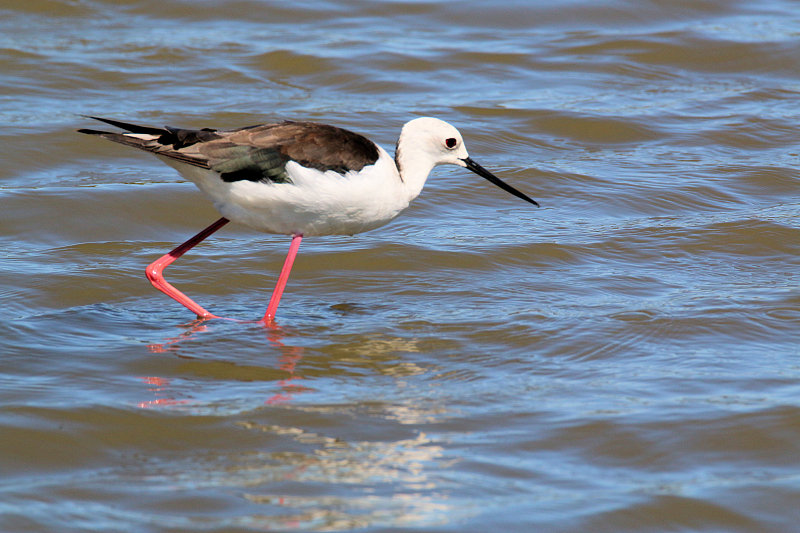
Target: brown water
<point>625,358</point>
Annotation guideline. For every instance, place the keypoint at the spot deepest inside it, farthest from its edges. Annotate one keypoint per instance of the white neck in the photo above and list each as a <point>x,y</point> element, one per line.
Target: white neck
<point>413,162</point>
<point>414,172</point>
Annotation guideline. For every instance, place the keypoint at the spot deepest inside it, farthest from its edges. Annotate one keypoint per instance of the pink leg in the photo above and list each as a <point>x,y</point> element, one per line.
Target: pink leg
<point>269,316</point>
<point>155,270</point>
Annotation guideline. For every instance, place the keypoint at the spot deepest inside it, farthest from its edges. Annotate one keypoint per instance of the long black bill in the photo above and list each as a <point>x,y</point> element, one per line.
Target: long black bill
<point>482,172</point>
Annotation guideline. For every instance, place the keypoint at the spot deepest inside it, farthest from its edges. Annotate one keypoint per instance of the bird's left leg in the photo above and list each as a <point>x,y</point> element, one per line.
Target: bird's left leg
<point>155,270</point>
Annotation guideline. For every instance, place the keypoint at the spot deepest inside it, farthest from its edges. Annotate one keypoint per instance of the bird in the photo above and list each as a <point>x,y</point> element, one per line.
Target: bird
<point>297,178</point>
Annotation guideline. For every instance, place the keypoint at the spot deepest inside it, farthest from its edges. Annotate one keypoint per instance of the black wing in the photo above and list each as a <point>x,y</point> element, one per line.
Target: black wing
<point>255,153</point>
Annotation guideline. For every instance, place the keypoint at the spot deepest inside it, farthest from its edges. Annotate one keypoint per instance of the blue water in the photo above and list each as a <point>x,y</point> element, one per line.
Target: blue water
<point>624,358</point>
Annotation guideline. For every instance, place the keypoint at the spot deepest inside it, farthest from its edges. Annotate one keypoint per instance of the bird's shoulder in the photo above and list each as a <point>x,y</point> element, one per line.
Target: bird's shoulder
<point>310,144</point>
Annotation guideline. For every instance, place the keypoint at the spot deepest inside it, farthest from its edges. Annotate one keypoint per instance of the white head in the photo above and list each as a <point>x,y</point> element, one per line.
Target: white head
<point>426,142</point>
<point>433,140</point>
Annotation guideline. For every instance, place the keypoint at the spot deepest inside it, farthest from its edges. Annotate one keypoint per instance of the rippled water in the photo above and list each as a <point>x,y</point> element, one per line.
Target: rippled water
<point>625,358</point>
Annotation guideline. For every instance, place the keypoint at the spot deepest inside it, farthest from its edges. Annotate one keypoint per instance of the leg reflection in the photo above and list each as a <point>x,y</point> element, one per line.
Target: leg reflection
<point>288,359</point>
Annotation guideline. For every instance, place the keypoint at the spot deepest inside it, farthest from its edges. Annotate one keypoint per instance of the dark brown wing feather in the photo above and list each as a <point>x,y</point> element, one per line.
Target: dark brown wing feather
<point>255,153</point>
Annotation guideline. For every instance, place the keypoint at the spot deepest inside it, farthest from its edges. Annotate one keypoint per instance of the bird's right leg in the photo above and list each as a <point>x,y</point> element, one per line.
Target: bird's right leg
<point>269,316</point>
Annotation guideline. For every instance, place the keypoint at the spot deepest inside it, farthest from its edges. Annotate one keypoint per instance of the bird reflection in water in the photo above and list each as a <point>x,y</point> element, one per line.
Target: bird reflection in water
<point>287,362</point>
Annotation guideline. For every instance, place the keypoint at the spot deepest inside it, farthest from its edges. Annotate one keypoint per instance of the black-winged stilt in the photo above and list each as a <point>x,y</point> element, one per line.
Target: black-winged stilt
<point>298,179</point>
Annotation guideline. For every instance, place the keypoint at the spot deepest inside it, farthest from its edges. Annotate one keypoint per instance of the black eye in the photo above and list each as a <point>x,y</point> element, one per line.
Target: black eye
<point>451,142</point>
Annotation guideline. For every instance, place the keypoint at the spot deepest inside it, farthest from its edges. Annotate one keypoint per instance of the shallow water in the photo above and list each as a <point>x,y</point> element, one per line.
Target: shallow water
<point>625,358</point>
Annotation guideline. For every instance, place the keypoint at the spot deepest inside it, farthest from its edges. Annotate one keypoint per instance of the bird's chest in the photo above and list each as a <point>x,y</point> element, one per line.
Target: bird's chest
<point>316,203</point>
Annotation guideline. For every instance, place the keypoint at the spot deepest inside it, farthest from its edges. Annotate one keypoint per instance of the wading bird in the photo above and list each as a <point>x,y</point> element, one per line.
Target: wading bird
<point>297,178</point>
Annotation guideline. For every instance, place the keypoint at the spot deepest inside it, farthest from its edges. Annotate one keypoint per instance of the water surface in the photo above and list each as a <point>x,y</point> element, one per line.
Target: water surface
<point>623,359</point>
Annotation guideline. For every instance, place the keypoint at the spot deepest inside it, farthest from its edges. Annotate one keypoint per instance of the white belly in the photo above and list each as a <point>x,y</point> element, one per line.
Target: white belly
<point>315,203</point>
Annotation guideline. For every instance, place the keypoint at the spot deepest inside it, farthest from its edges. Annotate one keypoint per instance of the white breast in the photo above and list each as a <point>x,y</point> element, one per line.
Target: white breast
<point>315,203</point>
